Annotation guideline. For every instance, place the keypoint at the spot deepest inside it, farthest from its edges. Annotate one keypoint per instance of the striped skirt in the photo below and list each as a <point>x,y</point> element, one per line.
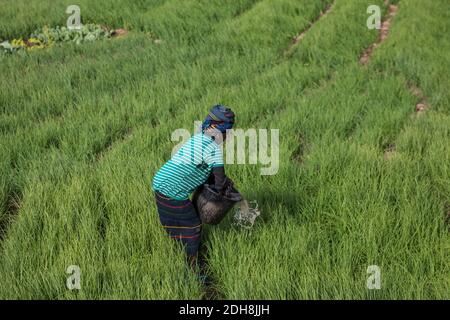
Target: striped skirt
<point>181,221</point>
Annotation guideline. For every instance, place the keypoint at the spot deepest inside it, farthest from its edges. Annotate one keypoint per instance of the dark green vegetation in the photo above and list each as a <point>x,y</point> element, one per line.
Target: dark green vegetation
<point>363,179</point>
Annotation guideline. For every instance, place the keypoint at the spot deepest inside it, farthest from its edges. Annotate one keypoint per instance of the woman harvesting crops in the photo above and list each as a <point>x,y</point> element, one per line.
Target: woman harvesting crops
<point>190,167</point>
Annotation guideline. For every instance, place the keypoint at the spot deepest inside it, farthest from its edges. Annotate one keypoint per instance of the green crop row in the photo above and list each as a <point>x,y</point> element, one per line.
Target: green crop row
<point>336,205</point>
<point>63,147</point>
<point>344,206</point>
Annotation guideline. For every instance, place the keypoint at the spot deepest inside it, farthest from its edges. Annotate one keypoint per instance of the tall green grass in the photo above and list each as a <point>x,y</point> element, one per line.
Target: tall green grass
<point>85,128</point>
<point>348,207</point>
<point>85,137</point>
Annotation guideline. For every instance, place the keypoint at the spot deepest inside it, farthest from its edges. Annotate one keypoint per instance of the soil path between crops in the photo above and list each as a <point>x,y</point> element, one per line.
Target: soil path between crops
<point>423,104</point>
<point>384,33</point>
<point>210,288</point>
<point>13,204</point>
<point>421,107</point>
<point>302,34</point>
<point>112,142</point>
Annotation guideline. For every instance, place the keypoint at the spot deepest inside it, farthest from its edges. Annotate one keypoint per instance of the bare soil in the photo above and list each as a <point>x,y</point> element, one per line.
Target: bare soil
<point>384,33</point>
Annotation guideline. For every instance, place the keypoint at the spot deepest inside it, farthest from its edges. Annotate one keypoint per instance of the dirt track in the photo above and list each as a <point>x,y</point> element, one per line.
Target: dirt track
<point>384,33</point>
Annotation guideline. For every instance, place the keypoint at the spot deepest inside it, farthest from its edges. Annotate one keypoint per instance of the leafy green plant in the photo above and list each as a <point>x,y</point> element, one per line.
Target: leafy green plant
<point>47,36</point>
<point>14,46</point>
<point>87,33</point>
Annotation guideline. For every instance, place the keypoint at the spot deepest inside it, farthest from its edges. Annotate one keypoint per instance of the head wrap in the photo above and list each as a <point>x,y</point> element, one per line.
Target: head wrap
<point>219,117</point>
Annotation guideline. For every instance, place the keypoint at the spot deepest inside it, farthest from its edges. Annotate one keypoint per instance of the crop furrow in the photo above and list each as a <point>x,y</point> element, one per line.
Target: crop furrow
<point>422,105</point>
<point>384,33</point>
<point>296,39</point>
<point>12,207</point>
<point>246,8</point>
<point>110,142</point>
<point>300,151</point>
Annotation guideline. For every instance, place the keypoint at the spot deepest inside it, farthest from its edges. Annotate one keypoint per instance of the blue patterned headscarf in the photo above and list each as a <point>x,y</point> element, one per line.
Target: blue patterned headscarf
<point>219,117</point>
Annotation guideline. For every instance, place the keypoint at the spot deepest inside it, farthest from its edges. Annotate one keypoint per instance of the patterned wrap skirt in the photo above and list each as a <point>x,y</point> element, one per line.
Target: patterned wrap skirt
<point>181,221</point>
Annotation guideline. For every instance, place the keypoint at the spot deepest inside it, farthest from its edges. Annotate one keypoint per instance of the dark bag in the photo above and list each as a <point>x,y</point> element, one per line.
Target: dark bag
<point>212,206</point>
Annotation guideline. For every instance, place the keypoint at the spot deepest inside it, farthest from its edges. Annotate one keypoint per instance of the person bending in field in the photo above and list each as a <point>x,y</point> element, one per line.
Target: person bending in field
<point>199,159</point>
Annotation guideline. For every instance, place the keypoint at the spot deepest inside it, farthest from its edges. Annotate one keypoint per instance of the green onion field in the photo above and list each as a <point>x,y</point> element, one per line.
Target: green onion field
<point>364,148</point>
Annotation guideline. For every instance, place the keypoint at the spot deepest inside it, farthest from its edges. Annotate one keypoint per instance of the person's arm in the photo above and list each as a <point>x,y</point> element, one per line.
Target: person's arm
<point>214,158</point>
<point>219,178</point>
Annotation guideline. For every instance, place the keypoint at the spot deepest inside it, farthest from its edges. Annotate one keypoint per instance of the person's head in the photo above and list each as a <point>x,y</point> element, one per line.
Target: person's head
<point>219,119</point>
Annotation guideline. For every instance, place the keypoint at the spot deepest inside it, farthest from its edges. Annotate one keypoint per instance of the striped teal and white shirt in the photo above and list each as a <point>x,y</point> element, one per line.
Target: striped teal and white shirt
<point>189,167</point>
